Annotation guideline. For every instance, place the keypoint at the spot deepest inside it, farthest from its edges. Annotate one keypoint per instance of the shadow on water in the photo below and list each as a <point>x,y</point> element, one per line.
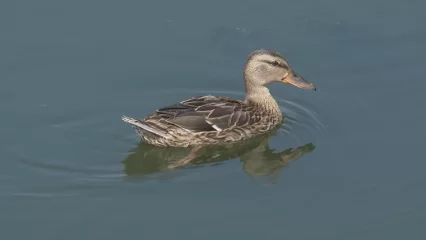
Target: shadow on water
<point>258,159</point>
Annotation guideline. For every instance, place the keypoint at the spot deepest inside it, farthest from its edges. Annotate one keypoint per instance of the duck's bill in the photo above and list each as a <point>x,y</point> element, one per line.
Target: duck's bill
<point>299,82</point>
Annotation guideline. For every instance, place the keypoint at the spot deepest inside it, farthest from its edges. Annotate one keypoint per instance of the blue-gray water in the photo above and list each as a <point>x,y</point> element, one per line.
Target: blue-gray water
<point>71,169</point>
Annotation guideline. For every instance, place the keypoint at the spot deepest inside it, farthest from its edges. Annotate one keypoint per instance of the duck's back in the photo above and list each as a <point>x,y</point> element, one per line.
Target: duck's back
<point>203,120</point>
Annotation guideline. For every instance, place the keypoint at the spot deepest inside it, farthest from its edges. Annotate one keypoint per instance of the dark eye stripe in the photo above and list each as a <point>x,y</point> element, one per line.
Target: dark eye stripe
<point>276,63</point>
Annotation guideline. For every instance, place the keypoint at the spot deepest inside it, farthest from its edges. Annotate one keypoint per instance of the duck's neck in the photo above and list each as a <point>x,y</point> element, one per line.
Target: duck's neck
<point>262,98</point>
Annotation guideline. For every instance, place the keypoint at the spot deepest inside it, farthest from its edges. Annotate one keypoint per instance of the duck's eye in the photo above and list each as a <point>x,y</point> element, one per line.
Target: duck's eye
<point>275,63</point>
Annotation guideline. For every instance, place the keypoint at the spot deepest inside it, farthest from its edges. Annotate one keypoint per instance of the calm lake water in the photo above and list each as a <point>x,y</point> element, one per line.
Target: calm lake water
<point>71,169</point>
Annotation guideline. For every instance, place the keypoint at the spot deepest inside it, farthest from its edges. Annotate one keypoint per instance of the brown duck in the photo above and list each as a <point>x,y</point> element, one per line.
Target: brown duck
<point>213,120</point>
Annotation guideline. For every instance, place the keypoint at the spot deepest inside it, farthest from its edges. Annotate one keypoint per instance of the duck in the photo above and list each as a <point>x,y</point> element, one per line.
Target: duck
<point>220,120</point>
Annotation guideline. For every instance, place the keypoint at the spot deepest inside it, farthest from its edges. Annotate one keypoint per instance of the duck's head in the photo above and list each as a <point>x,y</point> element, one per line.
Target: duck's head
<point>264,67</point>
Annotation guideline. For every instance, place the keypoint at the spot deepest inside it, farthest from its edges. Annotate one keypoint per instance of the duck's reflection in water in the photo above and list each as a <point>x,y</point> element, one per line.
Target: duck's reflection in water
<point>259,160</point>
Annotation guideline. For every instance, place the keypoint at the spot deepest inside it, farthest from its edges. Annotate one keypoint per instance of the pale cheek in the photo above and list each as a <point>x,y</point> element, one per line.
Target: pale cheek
<point>262,68</point>
<point>262,72</point>
<point>276,75</point>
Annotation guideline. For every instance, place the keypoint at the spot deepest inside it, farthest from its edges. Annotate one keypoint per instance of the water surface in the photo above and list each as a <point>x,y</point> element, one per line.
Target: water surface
<point>348,163</point>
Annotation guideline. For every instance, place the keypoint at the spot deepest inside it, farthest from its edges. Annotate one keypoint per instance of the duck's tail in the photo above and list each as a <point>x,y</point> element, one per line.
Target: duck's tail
<point>144,126</point>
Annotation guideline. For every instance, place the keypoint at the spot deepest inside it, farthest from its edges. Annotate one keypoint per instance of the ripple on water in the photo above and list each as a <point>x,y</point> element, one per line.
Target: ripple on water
<point>74,150</point>
<point>302,122</point>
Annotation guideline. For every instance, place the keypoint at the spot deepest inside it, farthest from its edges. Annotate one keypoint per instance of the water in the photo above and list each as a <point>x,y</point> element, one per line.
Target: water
<point>72,169</point>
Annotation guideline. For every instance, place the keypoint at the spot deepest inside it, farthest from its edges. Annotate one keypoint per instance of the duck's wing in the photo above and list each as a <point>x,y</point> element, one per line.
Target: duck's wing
<point>208,113</point>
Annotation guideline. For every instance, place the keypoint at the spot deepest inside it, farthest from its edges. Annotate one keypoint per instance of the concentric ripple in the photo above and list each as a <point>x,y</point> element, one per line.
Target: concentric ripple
<point>302,122</point>
<point>77,152</point>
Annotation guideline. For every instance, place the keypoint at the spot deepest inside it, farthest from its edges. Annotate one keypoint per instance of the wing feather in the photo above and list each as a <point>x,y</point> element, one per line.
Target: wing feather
<point>207,113</point>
